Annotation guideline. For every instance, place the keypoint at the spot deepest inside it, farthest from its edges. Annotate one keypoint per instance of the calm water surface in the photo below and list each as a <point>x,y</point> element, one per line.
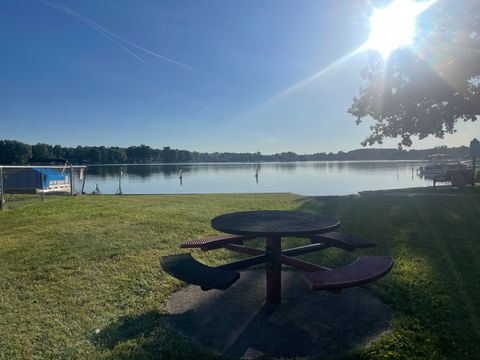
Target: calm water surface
<point>305,178</point>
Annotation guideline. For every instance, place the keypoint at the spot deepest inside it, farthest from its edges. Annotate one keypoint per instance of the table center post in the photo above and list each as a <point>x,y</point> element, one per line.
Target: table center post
<point>274,270</point>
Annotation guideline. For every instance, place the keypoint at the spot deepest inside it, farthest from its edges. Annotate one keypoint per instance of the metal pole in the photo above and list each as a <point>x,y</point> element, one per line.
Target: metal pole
<point>119,191</point>
<point>2,199</point>
<point>42,191</point>
<point>84,178</point>
<point>71,180</point>
<point>63,167</point>
<point>242,264</point>
<point>474,165</point>
<point>274,270</point>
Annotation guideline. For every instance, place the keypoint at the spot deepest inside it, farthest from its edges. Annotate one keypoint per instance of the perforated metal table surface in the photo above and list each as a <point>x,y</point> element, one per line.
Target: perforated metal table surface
<point>270,223</point>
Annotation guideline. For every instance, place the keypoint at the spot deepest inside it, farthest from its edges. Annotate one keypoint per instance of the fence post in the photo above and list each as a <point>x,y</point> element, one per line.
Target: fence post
<point>474,152</point>
<point>84,178</point>
<point>71,180</point>
<point>42,190</point>
<point>2,199</point>
<point>474,165</point>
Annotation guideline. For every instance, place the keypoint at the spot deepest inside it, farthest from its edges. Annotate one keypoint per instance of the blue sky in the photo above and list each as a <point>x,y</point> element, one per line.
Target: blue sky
<point>197,75</point>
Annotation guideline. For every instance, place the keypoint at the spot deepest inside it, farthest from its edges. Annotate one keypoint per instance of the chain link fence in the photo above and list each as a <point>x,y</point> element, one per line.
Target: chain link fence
<point>23,184</point>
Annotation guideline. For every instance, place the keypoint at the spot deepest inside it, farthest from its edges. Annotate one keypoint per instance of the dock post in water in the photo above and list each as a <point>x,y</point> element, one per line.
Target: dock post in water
<point>119,190</point>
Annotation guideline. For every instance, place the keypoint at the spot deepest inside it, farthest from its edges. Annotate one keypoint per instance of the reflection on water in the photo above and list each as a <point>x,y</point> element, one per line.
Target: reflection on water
<point>306,178</point>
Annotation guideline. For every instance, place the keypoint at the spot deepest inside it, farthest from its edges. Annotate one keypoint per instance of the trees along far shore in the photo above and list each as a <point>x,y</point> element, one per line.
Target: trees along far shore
<point>17,153</point>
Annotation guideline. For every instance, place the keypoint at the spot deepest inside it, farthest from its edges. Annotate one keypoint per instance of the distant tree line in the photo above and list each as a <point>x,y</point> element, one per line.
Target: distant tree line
<point>16,152</point>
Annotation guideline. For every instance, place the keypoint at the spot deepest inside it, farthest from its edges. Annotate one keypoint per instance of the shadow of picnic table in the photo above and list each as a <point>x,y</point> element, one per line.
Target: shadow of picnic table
<point>237,323</point>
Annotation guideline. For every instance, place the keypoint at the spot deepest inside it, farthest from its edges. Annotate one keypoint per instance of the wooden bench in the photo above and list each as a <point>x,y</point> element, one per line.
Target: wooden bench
<point>214,242</point>
<point>343,241</point>
<point>186,268</point>
<point>362,271</point>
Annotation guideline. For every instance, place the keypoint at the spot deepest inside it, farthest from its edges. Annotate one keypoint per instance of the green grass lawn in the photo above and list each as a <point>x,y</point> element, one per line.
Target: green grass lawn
<point>77,274</point>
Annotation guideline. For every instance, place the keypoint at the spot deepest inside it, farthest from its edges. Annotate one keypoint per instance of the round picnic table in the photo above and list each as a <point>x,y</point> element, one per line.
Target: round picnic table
<point>273,225</point>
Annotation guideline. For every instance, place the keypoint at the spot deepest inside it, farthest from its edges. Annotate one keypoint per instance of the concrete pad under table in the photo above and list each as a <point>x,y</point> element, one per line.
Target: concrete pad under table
<point>238,323</point>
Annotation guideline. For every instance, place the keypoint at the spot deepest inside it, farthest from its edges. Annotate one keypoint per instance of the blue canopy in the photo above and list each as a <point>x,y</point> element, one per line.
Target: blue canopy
<point>50,175</point>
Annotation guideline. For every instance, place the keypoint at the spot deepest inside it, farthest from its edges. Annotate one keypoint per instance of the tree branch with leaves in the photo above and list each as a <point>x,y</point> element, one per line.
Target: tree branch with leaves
<point>427,88</point>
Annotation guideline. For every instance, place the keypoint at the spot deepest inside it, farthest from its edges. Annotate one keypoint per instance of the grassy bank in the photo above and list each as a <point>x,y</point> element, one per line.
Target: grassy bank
<point>77,274</point>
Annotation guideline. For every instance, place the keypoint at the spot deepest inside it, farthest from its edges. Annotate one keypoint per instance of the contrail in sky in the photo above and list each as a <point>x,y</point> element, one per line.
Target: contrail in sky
<point>116,39</point>
<point>96,27</point>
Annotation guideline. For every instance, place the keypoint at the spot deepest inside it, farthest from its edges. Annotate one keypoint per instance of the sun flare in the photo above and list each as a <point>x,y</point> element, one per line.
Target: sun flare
<point>394,26</point>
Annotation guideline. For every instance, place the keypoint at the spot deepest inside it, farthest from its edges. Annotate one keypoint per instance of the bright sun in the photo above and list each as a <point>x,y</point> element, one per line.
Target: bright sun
<point>394,26</point>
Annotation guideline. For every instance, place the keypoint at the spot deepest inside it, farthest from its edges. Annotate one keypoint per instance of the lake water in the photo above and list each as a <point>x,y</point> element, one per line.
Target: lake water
<point>305,178</point>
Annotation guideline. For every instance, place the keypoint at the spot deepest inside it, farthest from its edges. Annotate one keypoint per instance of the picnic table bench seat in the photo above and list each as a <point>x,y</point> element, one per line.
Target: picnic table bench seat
<point>214,242</point>
<point>343,241</point>
<point>362,271</point>
<point>186,268</point>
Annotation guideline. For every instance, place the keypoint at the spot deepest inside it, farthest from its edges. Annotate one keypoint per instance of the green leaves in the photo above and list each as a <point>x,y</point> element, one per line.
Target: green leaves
<point>425,89</point>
